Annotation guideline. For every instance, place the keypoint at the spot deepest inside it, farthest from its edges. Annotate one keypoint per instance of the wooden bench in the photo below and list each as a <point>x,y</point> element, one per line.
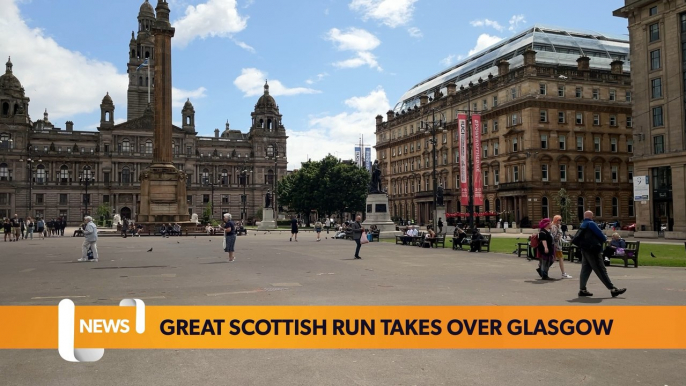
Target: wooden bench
<point>375,235</point>
<point>630,253</point>
<point>485,242</point>
<point>414,240</point>
<point>524,247</point>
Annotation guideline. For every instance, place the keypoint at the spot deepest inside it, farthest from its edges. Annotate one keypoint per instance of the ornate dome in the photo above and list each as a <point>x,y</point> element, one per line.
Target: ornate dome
<point>266,100</point>
<point>9,82</point>
<point>146,10</point>
<point>188,105</point>
<point>107,99</point>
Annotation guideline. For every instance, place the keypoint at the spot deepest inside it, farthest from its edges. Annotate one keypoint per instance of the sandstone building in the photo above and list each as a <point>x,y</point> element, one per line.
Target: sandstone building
<point>43,168</point>
<point>556,113</point>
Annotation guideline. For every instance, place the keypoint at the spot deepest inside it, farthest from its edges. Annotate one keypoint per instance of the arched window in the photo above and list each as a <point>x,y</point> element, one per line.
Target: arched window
<point>545,209</point>
<point>125,175</point>
<point>133,53</point>
<point>5,109</point>
<point>64,174</point>
<point>271,151</point>
<point>148,147</point>
<point>615,207</point>
<point>107,116</point>
<point>147,54</point>
<point>146,81</point>
<point>87,173</point>
<point>205,177</point>
<point>580,208</point>
<point>497,205</point>
<point>40,174</point>
<point>225,177</point>
<point>4,172</point>
<point>270,177</point>
<point>188,119</point>
<point>598,207</point>
<point>632,208</point>
<point>262,123</point>
<point>269,124</point>
<point>125,146</point>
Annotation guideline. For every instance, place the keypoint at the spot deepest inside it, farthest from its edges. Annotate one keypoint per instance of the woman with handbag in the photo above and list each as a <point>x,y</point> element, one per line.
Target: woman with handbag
<point>616,244</point>
<point>556,232</point>
<point>590,240</point>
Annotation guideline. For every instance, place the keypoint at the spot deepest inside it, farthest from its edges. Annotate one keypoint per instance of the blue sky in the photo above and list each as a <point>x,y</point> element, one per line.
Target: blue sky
<point>332,65</point>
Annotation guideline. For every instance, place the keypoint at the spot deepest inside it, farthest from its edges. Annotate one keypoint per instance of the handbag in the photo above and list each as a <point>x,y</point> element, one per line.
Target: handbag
<point>586,240</point>
<point>224,243</point>
<point>363,238</point>
<point>619,252</point>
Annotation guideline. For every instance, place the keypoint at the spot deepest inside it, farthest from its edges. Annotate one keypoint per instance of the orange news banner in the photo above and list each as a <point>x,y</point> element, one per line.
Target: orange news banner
<point>443,327</point>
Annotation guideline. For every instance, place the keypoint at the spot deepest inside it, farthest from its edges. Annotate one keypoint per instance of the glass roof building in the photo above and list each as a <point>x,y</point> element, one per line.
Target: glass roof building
<point>561,46</point>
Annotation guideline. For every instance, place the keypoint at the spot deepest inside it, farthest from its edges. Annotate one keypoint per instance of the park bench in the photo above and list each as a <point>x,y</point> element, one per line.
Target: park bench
<point>414,240</point>
<point>485,242</point>
<point>630,253</point>
<point>242,230</point>
<point>375,235</point>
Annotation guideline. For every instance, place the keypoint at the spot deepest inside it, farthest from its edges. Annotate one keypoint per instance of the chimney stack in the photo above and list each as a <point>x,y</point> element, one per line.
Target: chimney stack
<point>503,67</point>
<point>216,133</point>
<point>389,115</point>
<point>583,63</point>
<point>617,67</point>
<point>70,126</point>
<point>452,87</point>
<point>379,119</point>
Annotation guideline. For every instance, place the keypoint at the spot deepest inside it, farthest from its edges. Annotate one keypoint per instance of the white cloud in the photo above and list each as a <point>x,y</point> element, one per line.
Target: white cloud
<point>214,18</point>
<point>392,13</point>
<point>415,32</point>
<point>484,41</point>
<point>337,134</point>
<point>317,78</point>
<point>46,68</point>
<point>180,96</point>
<point>487,23</point>
<point>451,59</point>
<point>359,41</point>
<point>515,20</point>
<point>243,45</point>
<point>251,83</point>
<point>248,3</point>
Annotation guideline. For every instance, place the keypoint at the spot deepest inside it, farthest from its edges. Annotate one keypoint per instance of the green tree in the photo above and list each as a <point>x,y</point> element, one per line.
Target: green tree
<point>563,201</point>
<point>103,211</point>
<point>207,213</point>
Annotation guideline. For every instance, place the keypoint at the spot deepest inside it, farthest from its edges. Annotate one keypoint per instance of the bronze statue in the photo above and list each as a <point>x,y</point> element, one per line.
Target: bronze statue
<point>375,184</point>
<point>268,199</point>
<point>439,195</point>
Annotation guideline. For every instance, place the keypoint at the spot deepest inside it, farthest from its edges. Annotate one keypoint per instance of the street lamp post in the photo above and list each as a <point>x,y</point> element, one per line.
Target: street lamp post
<point>29,166</point>
<point>433,127</point>
<point>86,179</point>
<point>212,185</point>
<point>244,174</point>
<point>272,153</point>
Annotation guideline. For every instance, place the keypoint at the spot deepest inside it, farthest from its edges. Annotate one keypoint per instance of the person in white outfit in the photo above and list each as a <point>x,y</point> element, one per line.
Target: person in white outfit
<point>90,235</point>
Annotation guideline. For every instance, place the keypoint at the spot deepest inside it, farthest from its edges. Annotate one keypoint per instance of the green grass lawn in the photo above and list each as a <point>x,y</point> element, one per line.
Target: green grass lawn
<point>667,255</point>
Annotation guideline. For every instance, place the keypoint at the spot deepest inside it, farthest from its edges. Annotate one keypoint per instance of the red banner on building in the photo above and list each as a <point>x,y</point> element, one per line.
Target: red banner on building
<point>464,189</point>
<point>477,181</point>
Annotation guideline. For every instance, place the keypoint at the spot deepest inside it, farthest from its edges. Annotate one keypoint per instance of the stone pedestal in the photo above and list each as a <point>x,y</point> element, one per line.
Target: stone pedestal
<point>440,213</point>
<point>163,195</point>
<point>377,214</point>
<point>268,222</point>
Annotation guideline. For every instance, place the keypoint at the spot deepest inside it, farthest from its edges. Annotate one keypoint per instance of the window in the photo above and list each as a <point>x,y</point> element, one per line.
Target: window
<point>496,176</point>
<point>630,146</point>
<point>495,101</point>
<point>544,172</point>
<point>657,116</point>
<point>613,120</point>
<point>495,148</point>
<point>40,175</point>
<point>655,60</point>
<point>544,116</point>
<point>580,208</point>
<point>485,104</point>
<point>64,174</point>
<point>495,125</point>
<point>205,198</point>
<point>561,91</point>
<point>598,207</point>
<point>631,207</point>
<point>652,11</point>
<point>580,173</point>
<point>579,118</point>
<point>654,32</point>
<point>148,147</point>
<point>225,177</point>
<point>544,141</point>
<point>513,93</point>
<point>560,117</point>
<point>485,177</point>
<point>484,127</point>
<point>40,198</point>
<point>613,95</point>
<point>64,199</point>
<point>628,96</point>
<point>485,150</point>
<point>126,175</point>
<point>613,145</point>
<point>615,174</point>
<point>205,177</point>
<point>596,94</point>
<point>578,92</point>
<point>579,143</point>
<point>615,207</point>
<point>125,146</point>
<point>542,89</point>
<point>596,119</point>
<point>563,173</point>
<point>514,144</point>
<point>598,173</point>
<point>5,200</point>
<point>515,174</point>
<point>513,119</point>
<point>656,88</point>
<point>105,198</point>
<point>545,212</point>
<point>596,144</point>
<point>563,142</point>
<point>658,144</point>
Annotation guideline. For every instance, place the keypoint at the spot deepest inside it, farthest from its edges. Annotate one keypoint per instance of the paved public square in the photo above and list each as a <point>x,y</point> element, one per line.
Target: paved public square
<point>270,270</point>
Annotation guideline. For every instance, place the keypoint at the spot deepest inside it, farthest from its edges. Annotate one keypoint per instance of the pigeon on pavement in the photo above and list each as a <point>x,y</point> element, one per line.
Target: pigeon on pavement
<point>652,255</point>
<point>150,250</point>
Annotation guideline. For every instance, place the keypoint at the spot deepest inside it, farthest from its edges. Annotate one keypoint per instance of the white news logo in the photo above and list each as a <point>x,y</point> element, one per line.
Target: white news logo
<point>66,318</point>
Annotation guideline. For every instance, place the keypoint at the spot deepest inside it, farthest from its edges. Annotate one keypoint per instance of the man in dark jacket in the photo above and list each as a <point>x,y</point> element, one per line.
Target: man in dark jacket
<point>592,260</point>
<point>357,235</point>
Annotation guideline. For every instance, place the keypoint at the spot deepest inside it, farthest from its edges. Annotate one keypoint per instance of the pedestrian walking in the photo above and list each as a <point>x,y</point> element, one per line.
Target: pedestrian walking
<point>90,238</point>
<point>545,249</point>
<point>294,229</point>
<point>327,223</point>
<point>30,226</point>
<point>556,232</point>
<point>229,237</point>
<point>40,228</point>
<point>23,229</point>
<point>16,225</point>
<point>590,241</point>
<point>124,228</point>
<point>318,229</point>
<point>7,226</point>
<point>357,235</point>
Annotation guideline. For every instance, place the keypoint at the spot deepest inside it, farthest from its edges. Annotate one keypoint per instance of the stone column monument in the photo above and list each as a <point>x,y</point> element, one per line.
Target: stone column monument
<point>163,187</point>
<point>267,214</point>
<point>377,207</point>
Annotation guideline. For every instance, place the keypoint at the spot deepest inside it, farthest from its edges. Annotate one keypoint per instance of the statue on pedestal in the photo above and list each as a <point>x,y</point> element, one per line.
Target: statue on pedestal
<point>375,184</point>
<point>268,199</point>
<point>439,195</point>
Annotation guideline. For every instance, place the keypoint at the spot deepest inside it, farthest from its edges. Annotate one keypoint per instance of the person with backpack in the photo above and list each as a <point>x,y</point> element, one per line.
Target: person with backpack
<point>556,231</point>
<point>89,248</point>
<point>589,239</point>
<point>545,248</point>
<point>40,228</point>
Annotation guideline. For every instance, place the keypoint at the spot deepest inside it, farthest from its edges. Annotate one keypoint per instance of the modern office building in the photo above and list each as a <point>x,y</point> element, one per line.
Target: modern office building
<point>657,31</point>
<point>555,106</point>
